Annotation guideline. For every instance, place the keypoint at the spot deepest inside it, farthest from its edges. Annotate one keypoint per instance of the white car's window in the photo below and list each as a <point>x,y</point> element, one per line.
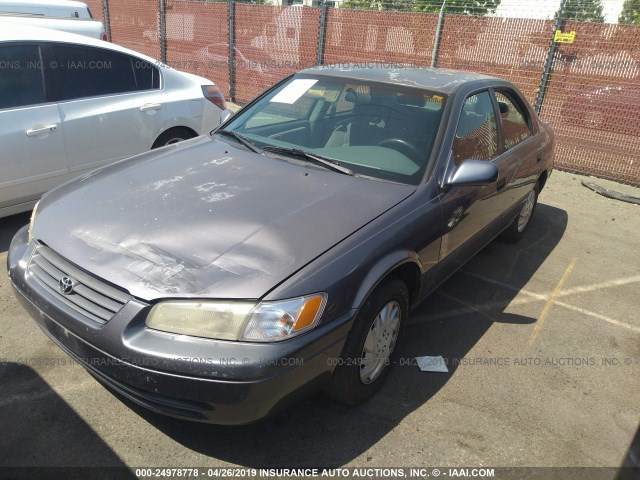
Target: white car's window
<point>20,76</point>
<point>476,135</point>
<point>147,75</point>
<point>90,72</point>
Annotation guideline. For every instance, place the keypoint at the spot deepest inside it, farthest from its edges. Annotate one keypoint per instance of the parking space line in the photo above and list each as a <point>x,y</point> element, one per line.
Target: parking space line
<point>537,296</point>
<point>467,305</point>
<point>599,286</point>
<point>612,321</point>
<point>550,301</point>
<point>481,309</point>
<point>532,297</point>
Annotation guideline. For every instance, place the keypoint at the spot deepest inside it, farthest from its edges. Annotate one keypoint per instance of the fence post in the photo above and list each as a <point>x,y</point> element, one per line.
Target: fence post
<point>162,27</point>
<point>436,39</point>
<point>548,64</point>
<point>324,12</point>
<point>107,18</point>
<point>232,53</point>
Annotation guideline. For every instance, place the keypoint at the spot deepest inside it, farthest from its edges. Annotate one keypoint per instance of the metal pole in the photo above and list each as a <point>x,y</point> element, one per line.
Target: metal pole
<point>232,53</point>
<point>436,40</point>
<point>548,64</point>
<point>162,27</point>
<point>107,18</point>
<point>322,33</point>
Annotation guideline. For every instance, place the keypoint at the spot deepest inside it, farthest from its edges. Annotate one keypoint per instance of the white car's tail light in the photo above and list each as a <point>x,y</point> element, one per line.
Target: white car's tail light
<point>214,95</point>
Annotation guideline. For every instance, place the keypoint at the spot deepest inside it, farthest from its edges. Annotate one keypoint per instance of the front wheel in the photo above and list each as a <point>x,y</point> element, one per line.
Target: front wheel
<point>369,350</point>
<point>515,231</point>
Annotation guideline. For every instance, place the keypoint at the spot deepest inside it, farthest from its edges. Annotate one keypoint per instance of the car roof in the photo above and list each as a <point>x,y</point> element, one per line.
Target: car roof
<point>10,32</point>
<point>439,79</point>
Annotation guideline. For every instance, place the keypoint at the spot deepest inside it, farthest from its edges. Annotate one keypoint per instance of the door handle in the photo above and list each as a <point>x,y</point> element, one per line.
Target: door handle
<point>538,158</point>
<point>147,107</point>
<point>32,132</point>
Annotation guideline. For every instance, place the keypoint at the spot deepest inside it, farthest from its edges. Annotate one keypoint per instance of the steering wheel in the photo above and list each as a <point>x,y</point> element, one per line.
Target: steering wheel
<point>402,146</point>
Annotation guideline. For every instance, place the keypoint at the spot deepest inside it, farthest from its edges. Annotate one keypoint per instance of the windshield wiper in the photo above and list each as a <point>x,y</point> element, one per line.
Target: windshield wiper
<point>242,139</point>
<point>326,162</point>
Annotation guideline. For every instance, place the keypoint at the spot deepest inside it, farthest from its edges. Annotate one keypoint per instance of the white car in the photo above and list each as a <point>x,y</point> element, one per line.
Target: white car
<point>70,104</point>
<point>47,8</point>
<point>64,15</point>
<point>85,27</point>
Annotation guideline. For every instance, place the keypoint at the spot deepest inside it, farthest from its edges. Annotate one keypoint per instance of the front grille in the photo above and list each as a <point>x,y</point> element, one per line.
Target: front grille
<point>91,297</point>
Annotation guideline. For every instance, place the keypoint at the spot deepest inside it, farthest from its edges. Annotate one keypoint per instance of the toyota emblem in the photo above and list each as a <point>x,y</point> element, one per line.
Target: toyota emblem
<point>65,285</point>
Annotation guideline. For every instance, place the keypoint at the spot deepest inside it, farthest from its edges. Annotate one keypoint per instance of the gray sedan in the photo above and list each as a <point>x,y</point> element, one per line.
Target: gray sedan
<point>219,278</point>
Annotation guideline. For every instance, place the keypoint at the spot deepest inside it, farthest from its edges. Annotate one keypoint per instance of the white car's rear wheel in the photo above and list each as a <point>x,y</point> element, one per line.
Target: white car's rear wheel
<point>173,135</point>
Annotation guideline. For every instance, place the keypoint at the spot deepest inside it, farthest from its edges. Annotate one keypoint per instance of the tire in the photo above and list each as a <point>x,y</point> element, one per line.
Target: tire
<point>520,224</point>
<point>173,135</point>
<point>360,374</point>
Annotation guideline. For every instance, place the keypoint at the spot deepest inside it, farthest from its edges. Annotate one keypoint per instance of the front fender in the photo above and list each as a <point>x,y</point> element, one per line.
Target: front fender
<point>382,269</point>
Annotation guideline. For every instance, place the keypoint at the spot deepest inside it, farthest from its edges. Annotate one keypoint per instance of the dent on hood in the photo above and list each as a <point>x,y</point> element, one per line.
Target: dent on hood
<point>160,268</point>
<point>212,191</point>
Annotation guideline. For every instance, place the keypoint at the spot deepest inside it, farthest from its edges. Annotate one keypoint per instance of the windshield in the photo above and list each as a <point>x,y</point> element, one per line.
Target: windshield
<point>374,129</point>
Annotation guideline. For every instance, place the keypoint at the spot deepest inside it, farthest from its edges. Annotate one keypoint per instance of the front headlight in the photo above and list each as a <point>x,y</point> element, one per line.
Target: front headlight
<point>229,320</point>
<point>34,212</point>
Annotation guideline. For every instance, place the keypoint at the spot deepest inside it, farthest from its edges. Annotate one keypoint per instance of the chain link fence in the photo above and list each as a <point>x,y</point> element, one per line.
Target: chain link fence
<point>582,74</point>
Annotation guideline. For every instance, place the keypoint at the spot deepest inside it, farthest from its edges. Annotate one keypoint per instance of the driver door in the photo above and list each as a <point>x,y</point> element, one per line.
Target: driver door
<point>470,211</point>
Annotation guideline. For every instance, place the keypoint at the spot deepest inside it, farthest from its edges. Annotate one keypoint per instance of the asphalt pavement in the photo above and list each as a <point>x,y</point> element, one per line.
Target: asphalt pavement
<point>542,340</point>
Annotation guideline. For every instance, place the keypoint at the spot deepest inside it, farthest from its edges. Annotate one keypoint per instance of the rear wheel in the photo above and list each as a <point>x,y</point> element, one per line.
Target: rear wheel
<point>515,231</point>
<point>369,350</point>
<point>173,135</point>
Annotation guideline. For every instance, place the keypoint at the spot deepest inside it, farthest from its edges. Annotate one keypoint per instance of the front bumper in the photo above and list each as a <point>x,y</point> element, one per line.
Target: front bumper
<point>198,379</point>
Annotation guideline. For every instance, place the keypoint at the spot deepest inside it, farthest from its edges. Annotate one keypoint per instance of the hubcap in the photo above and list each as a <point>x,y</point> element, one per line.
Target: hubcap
<point>174,140</point>
<point>527,209</point>
<point>380,341</point>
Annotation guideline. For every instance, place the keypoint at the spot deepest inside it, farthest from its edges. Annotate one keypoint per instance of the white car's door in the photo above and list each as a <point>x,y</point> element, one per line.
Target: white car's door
<point>110,103</point>
<point>32,153</point>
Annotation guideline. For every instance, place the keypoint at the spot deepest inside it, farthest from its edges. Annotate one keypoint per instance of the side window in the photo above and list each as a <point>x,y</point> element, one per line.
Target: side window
<point>147,75</point>
<point>20,76</point>
<point>89,72</point>
<point>514,122</point>
<point>476,135</point>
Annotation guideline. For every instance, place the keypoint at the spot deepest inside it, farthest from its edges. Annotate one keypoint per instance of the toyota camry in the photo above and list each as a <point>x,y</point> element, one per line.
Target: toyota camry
<point>219,278</point>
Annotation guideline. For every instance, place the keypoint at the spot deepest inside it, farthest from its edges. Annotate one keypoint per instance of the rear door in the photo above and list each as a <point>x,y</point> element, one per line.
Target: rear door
<point>32,153</point>
<point>110,103</point>
<point>521,153</point>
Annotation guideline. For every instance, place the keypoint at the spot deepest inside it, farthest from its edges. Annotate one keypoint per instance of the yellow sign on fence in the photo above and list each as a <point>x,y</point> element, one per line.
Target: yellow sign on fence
<point>564,37</point>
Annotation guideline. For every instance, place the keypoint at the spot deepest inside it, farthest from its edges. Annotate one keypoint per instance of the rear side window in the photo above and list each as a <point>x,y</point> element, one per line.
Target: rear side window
<point>20,76</point>
<point>476,135</point>
<point>515,125</point>
<point>147,75</point>
<point>79,72</point>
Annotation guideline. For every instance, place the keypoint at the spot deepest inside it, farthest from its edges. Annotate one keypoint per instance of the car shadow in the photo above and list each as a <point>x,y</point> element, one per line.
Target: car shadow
<point>630,468</point>
<point>43,437</point>
<point>9,226</point>
<point>331,435</point>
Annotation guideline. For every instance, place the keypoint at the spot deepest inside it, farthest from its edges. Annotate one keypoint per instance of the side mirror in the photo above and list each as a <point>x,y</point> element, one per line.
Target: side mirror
<point>225,115</point>
<point>473,173</point>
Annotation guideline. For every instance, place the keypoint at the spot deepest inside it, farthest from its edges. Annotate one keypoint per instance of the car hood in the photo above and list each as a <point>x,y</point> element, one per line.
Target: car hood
<point>206,219</point>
